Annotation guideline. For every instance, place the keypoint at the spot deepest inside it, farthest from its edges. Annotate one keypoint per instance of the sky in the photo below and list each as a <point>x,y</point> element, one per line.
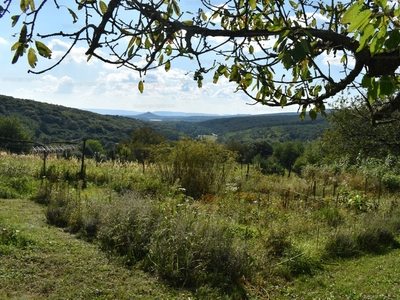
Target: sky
<point>83,84</point>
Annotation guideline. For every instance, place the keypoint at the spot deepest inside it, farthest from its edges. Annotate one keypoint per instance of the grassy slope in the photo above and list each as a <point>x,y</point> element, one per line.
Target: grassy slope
<point>369,277</point>
<point>56,265</point>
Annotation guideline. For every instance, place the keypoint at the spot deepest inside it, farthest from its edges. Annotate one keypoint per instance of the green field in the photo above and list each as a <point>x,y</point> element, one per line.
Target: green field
<point>125,234</point>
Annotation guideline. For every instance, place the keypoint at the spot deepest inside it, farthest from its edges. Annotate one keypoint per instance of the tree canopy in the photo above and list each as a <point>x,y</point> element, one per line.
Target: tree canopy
<point>272,49</point>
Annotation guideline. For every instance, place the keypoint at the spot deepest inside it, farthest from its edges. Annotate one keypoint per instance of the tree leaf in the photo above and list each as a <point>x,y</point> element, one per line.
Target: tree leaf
<point>141,86</point>
<point>32,58</point>
<point>14,20</point>
<point>103,7</point>
<point>43,49</point>
<point>359,20</point>
<point>176,7</point>
<point>352,12</point>
<point>216,77</point>
<point>387,85</point>
<point>248,79</point>
<point>167,65</point>
<point>251,49</point>
<point>73,14</point>
<point>253,4</point>
<point>203,15</point>
<point>313,114</point>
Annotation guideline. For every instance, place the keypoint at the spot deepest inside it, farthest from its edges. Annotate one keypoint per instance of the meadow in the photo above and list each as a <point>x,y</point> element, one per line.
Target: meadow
<point>250,236</point>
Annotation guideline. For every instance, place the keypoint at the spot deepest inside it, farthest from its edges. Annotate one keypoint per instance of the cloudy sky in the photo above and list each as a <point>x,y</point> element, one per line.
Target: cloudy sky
<point>95,85</point>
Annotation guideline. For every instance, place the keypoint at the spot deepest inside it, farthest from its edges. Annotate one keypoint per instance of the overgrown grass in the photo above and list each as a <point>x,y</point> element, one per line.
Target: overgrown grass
<point>234,244</point>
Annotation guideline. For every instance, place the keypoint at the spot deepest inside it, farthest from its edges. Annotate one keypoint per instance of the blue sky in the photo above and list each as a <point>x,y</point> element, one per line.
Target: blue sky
<point>95,85</point>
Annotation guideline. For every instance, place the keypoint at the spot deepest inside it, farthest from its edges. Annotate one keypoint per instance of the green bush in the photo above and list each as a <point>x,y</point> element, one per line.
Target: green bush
<point>127,226</point>
<point>189,250</point>
<point>342,245</point>
<point>391,182</point>
<point>199,167</point>
<point>331,215</point>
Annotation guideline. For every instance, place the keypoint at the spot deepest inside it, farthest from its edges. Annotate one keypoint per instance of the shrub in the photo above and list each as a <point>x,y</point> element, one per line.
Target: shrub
<point>199,167</point>
<point>127,226</point>
<point>189,250</point>
<point>341,245</point>
<point>391,182</point>
<point>331,215</point>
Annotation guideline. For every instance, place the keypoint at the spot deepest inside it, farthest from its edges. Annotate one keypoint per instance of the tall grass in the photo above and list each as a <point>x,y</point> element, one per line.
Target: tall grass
<point>254,230</point>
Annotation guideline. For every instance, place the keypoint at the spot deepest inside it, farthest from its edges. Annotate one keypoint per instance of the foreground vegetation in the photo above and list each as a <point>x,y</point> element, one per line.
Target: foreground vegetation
<point>254,237</point>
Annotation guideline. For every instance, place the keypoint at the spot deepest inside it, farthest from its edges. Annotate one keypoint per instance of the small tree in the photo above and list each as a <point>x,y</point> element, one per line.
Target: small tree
<point>287,154</point>
<point>143,142</point>
<point>12,136</point>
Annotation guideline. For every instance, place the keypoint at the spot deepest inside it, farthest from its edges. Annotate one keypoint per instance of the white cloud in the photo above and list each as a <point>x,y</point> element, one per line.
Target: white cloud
<point>335,59</point>
<point>77,54</point>
<point>3,41</point>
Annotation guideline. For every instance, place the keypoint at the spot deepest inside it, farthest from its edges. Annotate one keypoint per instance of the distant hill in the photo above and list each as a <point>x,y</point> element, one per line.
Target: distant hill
<point>47,123</point>
<point>273,127</point>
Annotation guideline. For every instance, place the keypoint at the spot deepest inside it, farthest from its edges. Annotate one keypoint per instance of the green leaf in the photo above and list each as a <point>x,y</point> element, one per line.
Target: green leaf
<point>248,79</point>
<point>313,114</point>
<point>141,86</point>
<point>14,20</point>
<point>167,65</point>
<point>43,49</point>
<point>393,41</point>
<point>367,82</point>
<point>251,49</point>
<point>23,4</point>
<point>73,14</point>
<point>352,12</point>
<point>147,44</point>
<point>387,85</point>
<point>203,15</point>
<point>361,19</point>
<point>366,35</point>
<point>295,5</point>
<point>216,77</point>
<point>253,4</point>
<point>103,7</point>
<point>298,52</point>
<point>168,50</point>
<point>15,46</point>
<point>176,8</point>
<point>131,42</point>
<point>222,69</point>
<point>378,42</point>
<point>32,58</point>
<point>234,76</point>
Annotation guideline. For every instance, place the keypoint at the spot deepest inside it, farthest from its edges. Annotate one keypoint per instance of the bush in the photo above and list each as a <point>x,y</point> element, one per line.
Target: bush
<point>342,245</point>
<point>189,250</point>
<point>199,167</point>
<point>391,182</point>
<point>331,215</point>
<point>127,226</point>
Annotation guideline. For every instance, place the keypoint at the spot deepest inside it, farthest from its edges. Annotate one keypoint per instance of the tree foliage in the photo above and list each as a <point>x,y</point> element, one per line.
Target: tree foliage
<point>350,134</point>
<point>13,136</point>
<point>142,144</point>
<point>255,40</point>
